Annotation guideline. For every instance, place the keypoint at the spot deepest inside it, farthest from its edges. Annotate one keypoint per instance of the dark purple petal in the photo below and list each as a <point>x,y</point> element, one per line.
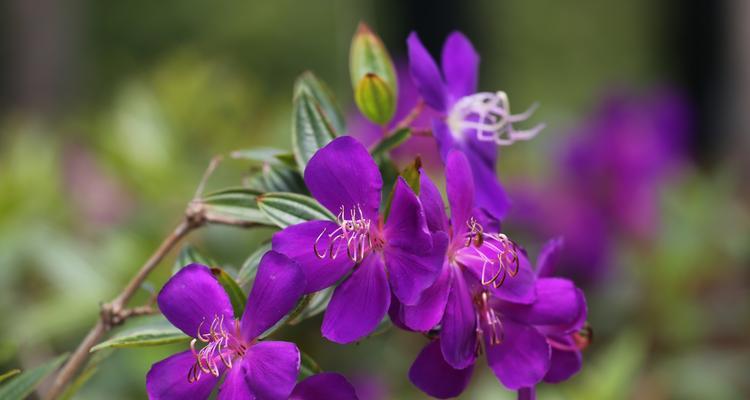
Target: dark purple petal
<point>396,313</point>
<point>167,379</point>
<point>296,242</point>
<point>359,303</point>
<point>344,174</point>
<point>548,258</point>
<point>327,385</point>
<point>406,227</point>
<point>278,285</point>
<point>193,296</point>
<point>235,386</point>
<point>460,66</point>
<point>564,363</point>
<point>425,74</point>
<point>272,369</point>
<point>459,186</point>
<point>458,337</point>
<point>522,359</point>
<point>558,303</point>
<point>432,203</point>
<point>411,274</point>
<point>428,312</point>
<point>432,375</point>
<point>528,393</point>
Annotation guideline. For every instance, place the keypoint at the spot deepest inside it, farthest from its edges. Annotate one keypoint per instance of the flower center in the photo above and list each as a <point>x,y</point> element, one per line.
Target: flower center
<point>221,346</point>
<point>490,325</point>
<point>353,234</point>
<point>488,115</point>
<point>499,255</point>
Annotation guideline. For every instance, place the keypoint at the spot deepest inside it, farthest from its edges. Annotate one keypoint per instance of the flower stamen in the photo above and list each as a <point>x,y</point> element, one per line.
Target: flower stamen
<point>353,231</point>
<point>489,115</point>
<point>504,251</point>
<point>220,346</point>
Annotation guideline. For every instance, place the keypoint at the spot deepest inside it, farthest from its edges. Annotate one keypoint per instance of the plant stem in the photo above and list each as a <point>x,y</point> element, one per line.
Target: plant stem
<point>81,353</point>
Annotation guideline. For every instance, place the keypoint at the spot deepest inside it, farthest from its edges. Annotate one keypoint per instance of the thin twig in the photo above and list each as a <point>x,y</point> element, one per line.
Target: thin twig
<point>413,115</point>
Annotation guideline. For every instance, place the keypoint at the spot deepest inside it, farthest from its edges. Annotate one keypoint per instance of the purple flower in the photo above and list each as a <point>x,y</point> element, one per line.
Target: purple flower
<point>474,123</point>
<point>393,255</point>
<point>194,301</point>
<point>327,385</point>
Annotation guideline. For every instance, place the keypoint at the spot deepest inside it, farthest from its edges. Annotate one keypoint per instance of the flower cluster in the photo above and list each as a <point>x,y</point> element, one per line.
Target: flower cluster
<point>457,278</point>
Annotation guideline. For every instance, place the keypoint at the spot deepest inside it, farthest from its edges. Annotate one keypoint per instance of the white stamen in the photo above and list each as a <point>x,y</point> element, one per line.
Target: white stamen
<point>488,114</point>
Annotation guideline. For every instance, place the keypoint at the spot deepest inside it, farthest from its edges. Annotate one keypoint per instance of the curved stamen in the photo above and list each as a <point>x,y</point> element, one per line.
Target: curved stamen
<point>220,346</point>
<point>489,115</point>
<point>504,251</point>
<point>353,230</point>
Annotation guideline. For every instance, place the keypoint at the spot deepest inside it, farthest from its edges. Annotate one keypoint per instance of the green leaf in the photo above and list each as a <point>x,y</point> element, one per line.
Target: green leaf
<point>23,385</point>
<point>250,266</point>
<point>411,176</point>
<point>190,255</point>
<point>375,99</point>
<point>368,56</point>
<point>236,294</point>
<point>316,303</point>
<point>391,142</point>
<point>260,154</point>
<point>156,331</point>
<point>9,374</point>
<point>285,209</point>
<point>311,130</point>
<point>325,99</point>
<point>308,367</point>
<point>277,178</point>
<point>236,204</point>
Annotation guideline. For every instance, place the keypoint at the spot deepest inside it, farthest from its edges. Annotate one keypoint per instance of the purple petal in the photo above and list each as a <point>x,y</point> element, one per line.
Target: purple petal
<point>278,285</point>
<point>272,369</point>
<point>460,65</point>
<point>425,74</point>
<point>517,289</point>
<point>411,274</point>
<point>558,303</point>
<point>296,242</point>
<point>458,337</point>
<point>432,375</point>
<point>235,386</point>
<point>548,258</point>
<point>564,363</point>
<point>193,296</point>
<point>359,303</point>
<point>344,174</point>
<point>444,137</point>
<point>406,227</point>
<point>428,312</point>
<point>328,385</point>
<point>432,203</point>
<point>522,359</point>
<point>167,379</point>
<point>490,194</point>
<point>528,393</point>
<point>460,189</point>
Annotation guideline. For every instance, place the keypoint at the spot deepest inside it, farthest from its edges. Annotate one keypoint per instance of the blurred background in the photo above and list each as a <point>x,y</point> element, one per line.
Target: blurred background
<point>110,111</point>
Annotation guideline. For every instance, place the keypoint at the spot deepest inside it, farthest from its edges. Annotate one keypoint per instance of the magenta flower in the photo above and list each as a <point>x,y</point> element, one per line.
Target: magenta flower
<point>474,123</point>
<point>396,254</point>
<point>327,385</point>
<point>194,301</point>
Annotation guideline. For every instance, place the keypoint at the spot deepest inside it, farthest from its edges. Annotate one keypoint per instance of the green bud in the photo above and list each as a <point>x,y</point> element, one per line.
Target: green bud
<point>373,76</point>
<point>375,99</point>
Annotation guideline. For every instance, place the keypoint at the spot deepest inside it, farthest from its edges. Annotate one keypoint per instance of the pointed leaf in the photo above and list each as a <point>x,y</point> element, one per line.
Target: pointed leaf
<point>236,204</point>
<point>153,331</point>
<point>236,295</point>
<point>9,374</point>
<point>92,367</point>
<point>285,209</point>
<point>277,178</point>
<point>24,384</point>
<point>316,303</point>
<point>325,99</point>
<point>311,130</point>
<point>411,176</point>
